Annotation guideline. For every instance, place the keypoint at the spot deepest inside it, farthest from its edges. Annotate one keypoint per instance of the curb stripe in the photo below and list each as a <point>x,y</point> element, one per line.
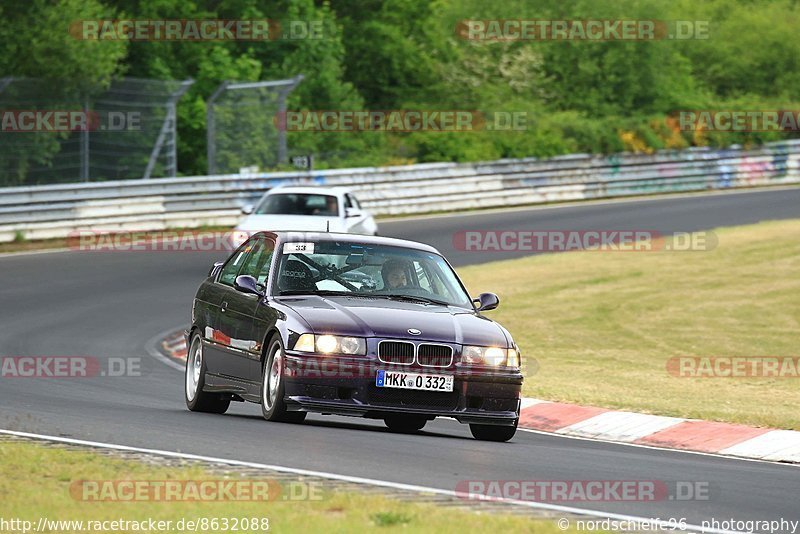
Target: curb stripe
<point>703,436</point>
<point>780,445</point>
<point>552,416</point>
<point>621,426</point>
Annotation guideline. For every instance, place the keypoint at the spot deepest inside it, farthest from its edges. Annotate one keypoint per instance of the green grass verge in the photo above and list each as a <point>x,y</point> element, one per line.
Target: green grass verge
<point>602,325</point>
<point>35,482</point>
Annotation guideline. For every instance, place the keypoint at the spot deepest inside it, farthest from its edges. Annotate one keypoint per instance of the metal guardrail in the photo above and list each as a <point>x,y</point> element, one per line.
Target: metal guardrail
<point>51,211</point>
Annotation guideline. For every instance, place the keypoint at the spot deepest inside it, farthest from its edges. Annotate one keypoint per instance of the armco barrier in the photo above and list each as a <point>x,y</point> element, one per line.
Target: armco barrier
<point>50,211</point>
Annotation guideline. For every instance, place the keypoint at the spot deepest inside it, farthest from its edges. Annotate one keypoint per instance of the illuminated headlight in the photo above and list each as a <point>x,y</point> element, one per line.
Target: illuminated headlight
<point>494,356</point>
<point>328,344</point>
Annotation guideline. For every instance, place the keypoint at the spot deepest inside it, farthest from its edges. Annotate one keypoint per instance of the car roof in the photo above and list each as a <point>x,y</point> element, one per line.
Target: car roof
<point>350,238</point>
<point>308,189</point>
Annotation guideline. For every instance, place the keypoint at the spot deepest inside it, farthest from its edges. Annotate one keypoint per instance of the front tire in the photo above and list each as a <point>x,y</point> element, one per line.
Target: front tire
<point>493,432</point>
<point>405,424</point>
<point>198,400</point>
<point>273,406</point>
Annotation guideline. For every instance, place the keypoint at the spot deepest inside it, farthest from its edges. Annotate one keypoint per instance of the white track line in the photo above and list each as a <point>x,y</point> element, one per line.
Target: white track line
<point>33,252</point>
<point>368,481</point>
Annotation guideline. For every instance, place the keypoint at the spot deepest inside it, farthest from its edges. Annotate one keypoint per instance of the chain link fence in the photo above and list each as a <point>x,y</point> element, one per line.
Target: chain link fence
<point>56,135</point>
<point>243,125</point>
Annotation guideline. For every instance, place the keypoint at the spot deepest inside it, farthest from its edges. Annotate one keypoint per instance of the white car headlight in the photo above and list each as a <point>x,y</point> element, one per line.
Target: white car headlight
<point>493,356</point>
<point>328,344</point>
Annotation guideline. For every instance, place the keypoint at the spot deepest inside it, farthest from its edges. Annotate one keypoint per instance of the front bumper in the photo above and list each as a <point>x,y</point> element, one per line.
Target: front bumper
<point>346,386</point>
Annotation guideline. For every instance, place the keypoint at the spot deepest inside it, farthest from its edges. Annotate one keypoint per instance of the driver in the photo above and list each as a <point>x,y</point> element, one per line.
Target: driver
<point>331,208</point>
<point>395,274</point>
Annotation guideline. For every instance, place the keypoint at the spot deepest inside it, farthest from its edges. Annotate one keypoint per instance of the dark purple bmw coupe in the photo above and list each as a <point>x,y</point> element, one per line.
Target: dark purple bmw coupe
<point>350,325</point>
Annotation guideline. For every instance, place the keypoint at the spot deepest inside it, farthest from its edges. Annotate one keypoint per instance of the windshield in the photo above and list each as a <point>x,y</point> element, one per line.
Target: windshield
<point>299,204</point>
<point>358,269</point>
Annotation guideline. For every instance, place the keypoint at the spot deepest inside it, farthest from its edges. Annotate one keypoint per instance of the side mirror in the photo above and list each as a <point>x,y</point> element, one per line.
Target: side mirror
<point>215,268</point>
<point>246,284</point>
<point>352,212</point>
<point>247,209</point>
<point>487,301</point>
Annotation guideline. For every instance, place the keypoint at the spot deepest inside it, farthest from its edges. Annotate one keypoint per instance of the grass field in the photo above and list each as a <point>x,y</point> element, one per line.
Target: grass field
<point>39,481</point>
<point>603,325</point>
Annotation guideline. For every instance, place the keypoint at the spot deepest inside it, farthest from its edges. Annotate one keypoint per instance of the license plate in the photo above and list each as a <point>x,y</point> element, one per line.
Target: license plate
<point>419,381</point>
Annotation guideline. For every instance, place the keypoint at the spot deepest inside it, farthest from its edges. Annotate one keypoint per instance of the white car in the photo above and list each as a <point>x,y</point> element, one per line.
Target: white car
<point>307,209</point>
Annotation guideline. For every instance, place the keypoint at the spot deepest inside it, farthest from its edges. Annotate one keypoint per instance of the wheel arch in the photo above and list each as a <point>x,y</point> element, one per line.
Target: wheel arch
<point>194,328</point>
<point>271,333</point>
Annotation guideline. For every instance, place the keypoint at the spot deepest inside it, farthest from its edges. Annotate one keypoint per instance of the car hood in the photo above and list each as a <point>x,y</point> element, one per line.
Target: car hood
<point>301,223</point>
<point>376,317</point>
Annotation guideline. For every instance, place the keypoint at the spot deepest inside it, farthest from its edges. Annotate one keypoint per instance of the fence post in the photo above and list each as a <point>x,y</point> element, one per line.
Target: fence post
<point>211,130</point>
<point>284,93</point>
<point>284,87</point>
<point>168,126</point>
<point>85,142</point>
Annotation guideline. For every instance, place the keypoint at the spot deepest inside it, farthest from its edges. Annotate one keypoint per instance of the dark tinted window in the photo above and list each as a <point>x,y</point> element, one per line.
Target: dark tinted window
<point>299,204</point>
<point>258,262</point>
<point>231,268</point>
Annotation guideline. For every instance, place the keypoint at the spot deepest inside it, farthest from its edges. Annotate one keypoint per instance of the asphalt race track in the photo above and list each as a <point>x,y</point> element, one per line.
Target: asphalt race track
<point>111,304</point>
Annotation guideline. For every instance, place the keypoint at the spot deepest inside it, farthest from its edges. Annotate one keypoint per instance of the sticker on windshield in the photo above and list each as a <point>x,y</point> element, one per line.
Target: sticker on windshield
<point>295,248</point>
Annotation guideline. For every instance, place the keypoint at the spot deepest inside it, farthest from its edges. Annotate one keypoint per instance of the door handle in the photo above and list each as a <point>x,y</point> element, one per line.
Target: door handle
<point>223,307</point>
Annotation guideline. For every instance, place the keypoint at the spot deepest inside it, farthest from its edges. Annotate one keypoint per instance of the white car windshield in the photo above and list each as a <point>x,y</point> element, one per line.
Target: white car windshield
<point>299,204</point>
<point>359,269</point>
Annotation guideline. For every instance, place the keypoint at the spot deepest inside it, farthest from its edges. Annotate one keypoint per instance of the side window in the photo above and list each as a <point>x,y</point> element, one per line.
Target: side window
<point>258,262</point>
<point>348,201</point>
<point>231,269</point>
<point>354,201</point>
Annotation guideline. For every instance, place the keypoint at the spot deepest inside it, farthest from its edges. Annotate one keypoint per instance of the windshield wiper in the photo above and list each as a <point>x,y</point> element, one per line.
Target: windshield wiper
<point>414,298</point>
<point>332,293</point>
<point>320,292</point>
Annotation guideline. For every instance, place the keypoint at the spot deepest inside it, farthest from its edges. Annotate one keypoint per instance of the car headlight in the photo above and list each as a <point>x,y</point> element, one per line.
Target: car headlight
<point>328,344</point>
<point>493,356</point>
